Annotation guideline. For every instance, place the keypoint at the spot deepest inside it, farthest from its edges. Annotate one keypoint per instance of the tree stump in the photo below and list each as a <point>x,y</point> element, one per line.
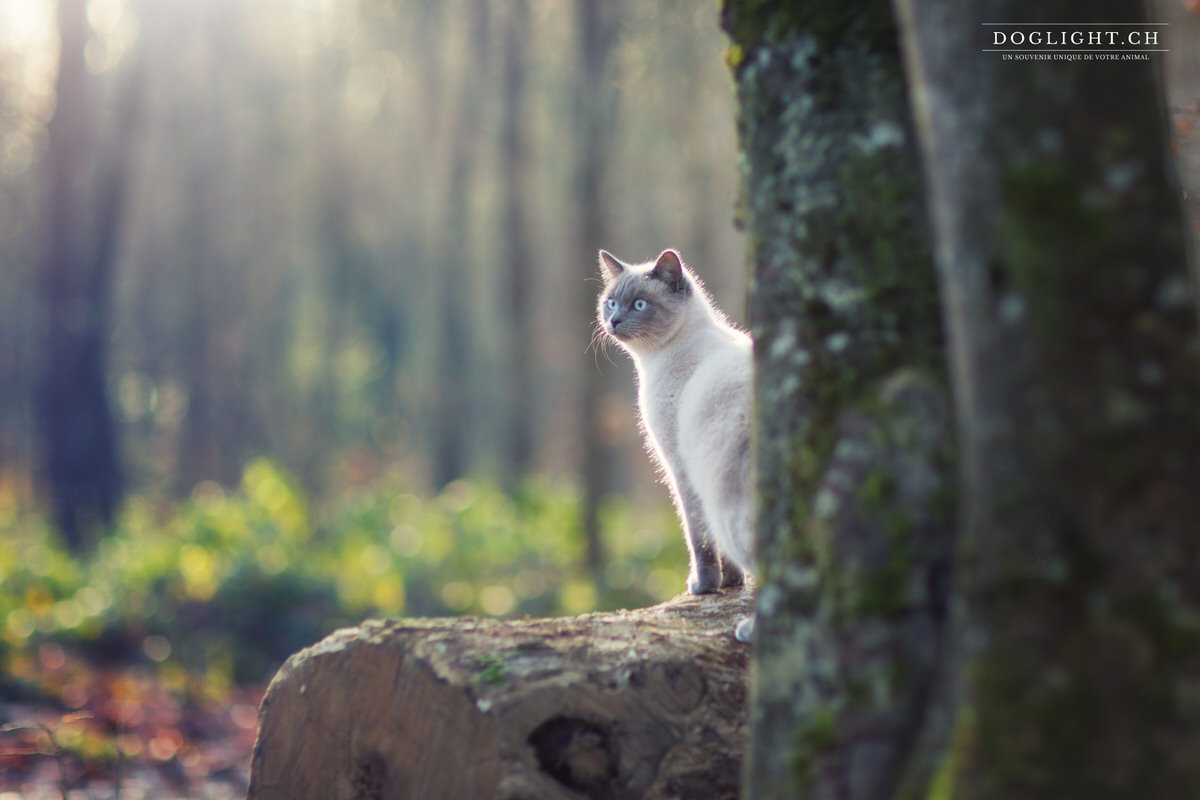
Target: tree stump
<point>648,703</point>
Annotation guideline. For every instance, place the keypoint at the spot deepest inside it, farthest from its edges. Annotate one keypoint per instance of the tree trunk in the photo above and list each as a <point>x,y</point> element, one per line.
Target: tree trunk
<point>518,312</point>
<point>648,703</point>
<point>596,22</point>
<point>452,416</point>
<point>853,452</point>
<point>1069,310</point>
<point>75,421</point>
<point>204,448</point>
<point>1181,74</point>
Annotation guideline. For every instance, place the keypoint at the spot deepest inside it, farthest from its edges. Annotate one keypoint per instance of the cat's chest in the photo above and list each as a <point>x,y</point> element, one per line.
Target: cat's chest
<point>659,394</point>
<point>660,411</point>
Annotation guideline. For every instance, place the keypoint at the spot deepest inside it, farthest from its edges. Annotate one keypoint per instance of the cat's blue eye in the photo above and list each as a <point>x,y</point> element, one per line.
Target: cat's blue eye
<point>639,305</point>
<point>612,304</point>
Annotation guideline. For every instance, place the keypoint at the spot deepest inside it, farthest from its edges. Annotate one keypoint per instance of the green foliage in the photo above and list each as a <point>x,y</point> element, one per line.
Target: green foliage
<point>235,581</point>
<point>491,670</point>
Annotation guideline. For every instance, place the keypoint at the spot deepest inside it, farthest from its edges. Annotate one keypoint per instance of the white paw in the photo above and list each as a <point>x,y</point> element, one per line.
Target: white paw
<point>744,631</point>
<point>704,583</point>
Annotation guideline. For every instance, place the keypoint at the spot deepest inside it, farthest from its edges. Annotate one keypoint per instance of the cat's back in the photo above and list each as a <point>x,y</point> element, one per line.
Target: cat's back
<point>714,352</point>
<point>719,386</point>
<point>682,385</point>
<point>714,438</point>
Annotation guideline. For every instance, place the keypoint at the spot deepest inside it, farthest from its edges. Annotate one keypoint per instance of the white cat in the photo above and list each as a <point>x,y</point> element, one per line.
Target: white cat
<point>695,372</point>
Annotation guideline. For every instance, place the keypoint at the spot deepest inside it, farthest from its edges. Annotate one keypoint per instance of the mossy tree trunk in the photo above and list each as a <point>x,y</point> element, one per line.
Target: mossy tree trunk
<point>853,456</point>
<point>1061,251</point>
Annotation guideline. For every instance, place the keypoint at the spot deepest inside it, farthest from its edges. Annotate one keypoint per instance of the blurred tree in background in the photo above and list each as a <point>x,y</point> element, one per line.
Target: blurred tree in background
<point>594,112</point>
<point>84,195</point>
<point>356,238</point>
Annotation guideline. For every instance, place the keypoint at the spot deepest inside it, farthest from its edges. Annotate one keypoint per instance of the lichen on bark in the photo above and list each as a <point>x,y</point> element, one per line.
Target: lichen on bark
<point>853,455</point>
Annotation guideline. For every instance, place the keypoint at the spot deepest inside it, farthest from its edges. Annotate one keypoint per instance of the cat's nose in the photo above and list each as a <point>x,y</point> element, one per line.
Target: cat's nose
<point>615,321</point>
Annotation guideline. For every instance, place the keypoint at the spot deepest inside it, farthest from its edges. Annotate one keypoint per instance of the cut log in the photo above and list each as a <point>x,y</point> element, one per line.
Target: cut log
<point>648,703</point>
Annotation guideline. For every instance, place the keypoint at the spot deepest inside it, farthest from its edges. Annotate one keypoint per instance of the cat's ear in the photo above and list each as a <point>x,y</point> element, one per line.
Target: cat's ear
<point>610,267</point>
<point>669,270</point>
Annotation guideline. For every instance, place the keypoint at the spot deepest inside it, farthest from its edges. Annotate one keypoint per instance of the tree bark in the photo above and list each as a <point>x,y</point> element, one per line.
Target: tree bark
<point>647,703</point>
<point>1069,308</point>
<point>853,448</point>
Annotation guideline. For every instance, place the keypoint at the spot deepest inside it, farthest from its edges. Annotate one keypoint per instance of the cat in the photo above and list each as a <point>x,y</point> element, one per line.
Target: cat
<point>694,373</point>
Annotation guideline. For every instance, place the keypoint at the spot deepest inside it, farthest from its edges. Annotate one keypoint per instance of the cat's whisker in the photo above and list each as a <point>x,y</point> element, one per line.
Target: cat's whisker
<point>595,344</point>
<point>597,333</point>
<point>604,345</point>
<point>598,345</point>
<point>594,341</point>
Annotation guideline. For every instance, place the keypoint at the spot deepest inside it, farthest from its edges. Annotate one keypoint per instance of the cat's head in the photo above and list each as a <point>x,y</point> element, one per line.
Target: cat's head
<point>642,305</point>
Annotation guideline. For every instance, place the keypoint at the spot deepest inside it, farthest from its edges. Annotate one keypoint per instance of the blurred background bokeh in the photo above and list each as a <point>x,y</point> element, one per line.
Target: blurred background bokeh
<point>296,309</point>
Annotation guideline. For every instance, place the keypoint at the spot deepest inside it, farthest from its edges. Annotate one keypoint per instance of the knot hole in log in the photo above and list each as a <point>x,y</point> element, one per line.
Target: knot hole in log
<point>578,754</point>
<point>367,780</point>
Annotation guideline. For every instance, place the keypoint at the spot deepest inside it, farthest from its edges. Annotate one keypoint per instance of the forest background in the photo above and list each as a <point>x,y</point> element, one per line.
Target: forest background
<point>325,270</point>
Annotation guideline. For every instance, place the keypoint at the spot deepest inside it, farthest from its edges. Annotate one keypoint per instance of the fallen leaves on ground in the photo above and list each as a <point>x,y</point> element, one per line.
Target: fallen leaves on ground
<point>127,731</point>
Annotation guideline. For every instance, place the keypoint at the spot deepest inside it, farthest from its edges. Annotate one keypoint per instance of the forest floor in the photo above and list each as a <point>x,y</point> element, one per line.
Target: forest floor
<point>78,731</point>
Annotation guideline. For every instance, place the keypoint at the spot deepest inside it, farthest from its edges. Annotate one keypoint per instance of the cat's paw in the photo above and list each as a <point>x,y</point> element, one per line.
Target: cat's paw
<point>744,631</point>
<point>732,577</point>
<point>703,582</point>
